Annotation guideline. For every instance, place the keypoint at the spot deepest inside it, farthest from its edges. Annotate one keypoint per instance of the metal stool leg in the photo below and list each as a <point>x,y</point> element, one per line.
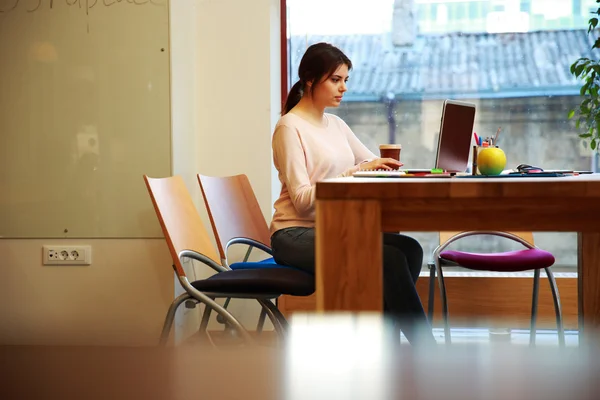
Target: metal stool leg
<point>557,307</point>
<point>431,300</point>
<point>534,306</point>
<point>444,299</point>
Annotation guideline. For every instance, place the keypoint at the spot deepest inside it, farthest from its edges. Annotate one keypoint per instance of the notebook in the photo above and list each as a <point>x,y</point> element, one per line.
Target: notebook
<point>421,173</point>
<point>453,148</point>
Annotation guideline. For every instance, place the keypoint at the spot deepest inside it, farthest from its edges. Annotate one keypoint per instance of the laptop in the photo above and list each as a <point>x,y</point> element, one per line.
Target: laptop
<point>454,143</point>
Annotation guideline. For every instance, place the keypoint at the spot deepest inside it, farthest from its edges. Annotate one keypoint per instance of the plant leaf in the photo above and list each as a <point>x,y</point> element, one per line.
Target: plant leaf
<point>593,144</point>
<point>588,68</point>
<point>584,89</point>
<point>572,69</point>
<point>571,114</point>
<point>585,135</point>
<point>585,105</point>
<point>593,23</point>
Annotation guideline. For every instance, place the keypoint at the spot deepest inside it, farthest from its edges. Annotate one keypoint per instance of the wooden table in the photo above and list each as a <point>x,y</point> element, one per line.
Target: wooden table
<point>349,357</point>
<point>352,213</point>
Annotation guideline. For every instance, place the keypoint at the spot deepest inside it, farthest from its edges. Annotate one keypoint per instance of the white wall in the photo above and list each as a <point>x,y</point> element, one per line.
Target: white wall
<point>120,299</point>
<point>225,103</point>
<point>225,65</point>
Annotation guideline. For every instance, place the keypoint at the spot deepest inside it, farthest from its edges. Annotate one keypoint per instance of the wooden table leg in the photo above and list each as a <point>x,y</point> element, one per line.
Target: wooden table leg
<point>589,288</point>
<point>349,255</point>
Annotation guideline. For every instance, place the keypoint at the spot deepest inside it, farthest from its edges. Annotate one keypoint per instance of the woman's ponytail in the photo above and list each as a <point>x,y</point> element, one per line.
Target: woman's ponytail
<point>293,97</point>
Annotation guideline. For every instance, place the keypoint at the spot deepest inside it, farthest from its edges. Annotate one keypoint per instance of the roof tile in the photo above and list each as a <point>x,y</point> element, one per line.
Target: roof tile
<point>457,63</point>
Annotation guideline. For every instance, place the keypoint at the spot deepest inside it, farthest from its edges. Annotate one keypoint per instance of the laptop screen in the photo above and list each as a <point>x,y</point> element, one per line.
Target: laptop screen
<point>454,140</point>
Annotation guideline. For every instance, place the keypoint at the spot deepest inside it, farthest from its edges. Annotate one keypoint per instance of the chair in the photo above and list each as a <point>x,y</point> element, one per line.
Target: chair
<point>530,258</point>
<point>236,218</point>
<point>187,238</point>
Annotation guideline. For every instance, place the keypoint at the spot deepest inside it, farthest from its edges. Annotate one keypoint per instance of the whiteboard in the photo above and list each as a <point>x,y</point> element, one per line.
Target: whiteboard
<point>84,113</point>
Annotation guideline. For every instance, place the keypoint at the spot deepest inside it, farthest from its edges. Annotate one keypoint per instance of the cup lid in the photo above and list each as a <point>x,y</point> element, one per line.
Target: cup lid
<point>390,146</point>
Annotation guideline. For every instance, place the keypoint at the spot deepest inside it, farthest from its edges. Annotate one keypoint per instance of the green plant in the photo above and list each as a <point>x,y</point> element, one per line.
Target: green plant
<point>587,114</point>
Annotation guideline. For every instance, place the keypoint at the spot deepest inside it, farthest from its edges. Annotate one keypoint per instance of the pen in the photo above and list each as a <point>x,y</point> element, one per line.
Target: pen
<point>474,166</point>
<point>497,133</point>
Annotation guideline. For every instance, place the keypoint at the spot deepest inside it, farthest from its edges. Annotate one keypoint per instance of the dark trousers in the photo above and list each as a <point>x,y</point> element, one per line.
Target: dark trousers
<point>402,261</point>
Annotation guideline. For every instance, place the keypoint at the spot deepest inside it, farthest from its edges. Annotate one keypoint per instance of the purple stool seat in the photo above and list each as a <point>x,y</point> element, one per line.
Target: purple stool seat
<point>509,261</point>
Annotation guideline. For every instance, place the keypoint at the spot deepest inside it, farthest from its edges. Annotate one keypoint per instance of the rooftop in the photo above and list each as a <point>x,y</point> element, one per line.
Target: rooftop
<point>459,65</point>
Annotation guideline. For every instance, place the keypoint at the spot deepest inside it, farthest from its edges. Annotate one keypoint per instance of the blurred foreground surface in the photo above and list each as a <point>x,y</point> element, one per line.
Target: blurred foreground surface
<point>324,357</point>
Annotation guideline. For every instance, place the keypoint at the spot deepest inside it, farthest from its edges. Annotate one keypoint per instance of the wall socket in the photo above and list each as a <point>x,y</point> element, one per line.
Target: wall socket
<point>66,255</point>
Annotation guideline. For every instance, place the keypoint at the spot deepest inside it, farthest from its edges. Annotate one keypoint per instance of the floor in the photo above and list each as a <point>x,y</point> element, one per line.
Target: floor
<point>470,336</point>
<point>515,336</point>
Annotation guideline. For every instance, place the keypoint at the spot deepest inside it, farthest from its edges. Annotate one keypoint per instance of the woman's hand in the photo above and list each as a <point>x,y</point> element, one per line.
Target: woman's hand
<point>382,163</point>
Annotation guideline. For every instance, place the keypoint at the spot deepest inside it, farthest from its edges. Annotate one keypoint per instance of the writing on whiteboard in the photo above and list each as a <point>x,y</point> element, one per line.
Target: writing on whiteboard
<point>7,6</point>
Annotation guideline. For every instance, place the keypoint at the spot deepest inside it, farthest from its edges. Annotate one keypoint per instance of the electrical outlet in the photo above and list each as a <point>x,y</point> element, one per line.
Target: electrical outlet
<point>66,255</point>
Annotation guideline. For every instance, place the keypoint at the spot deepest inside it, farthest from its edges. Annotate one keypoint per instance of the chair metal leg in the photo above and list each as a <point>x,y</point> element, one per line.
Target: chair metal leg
<point>247,255</point>
<point>229,318</point>
<point>204,322</point>
<point>557,307</point>
<point>534,307</point>
<point>431,300</point>
<point>267,312</point>
<point>280,317</point>
<point>263,312</point>
<point>263,316</point>
<point>261,321</point>
<point>444,299</point>
<point>220,318</point>
<point>164,336</point>
<point>279,322</point>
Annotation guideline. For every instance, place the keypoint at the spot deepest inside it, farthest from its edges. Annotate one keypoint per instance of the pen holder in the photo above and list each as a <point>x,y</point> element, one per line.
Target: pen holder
<point>491,160</point>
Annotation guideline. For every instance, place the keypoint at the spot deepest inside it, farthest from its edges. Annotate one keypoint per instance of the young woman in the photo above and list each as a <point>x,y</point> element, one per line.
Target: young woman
<point>310,145</point>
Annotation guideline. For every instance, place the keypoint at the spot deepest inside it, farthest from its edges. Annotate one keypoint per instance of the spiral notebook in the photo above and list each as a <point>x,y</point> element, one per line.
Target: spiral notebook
<point>412,173</point>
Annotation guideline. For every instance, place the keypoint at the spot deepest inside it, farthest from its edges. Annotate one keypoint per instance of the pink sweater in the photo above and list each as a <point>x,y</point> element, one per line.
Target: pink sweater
<point>305,154</point>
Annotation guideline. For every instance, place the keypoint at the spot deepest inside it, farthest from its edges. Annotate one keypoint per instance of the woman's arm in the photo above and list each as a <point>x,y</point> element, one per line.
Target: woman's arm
<point>361,153</point>
<point>290,161</point>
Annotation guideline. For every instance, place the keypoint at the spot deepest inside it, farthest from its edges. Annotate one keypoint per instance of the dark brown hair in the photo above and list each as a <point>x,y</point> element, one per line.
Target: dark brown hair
<point>320,60</point>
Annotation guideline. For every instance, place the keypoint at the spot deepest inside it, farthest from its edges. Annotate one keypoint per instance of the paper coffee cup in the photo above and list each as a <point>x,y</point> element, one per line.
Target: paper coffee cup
<point>390,151</point>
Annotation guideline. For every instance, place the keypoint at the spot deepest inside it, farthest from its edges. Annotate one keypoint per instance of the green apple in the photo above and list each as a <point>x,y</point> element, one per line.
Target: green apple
<point>491,161</point>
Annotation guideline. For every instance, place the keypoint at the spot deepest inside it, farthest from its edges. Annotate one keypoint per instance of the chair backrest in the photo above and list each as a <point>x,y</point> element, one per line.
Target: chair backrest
<point>233,210</point>
<point>526,236</point>
<point>179,219</point>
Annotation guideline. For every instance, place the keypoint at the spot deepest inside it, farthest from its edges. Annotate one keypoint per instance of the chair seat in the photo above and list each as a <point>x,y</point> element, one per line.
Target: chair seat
<point>266,263</point>
<point>510,261</point>
<point>281,280</point>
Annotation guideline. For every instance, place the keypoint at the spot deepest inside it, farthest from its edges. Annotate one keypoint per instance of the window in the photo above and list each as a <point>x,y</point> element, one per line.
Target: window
<point>518,80</point>
<point>461,11</point>
<point>474,10</point>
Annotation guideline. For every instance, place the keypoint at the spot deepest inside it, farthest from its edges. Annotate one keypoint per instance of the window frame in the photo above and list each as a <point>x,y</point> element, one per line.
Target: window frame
<point>495,289</point>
